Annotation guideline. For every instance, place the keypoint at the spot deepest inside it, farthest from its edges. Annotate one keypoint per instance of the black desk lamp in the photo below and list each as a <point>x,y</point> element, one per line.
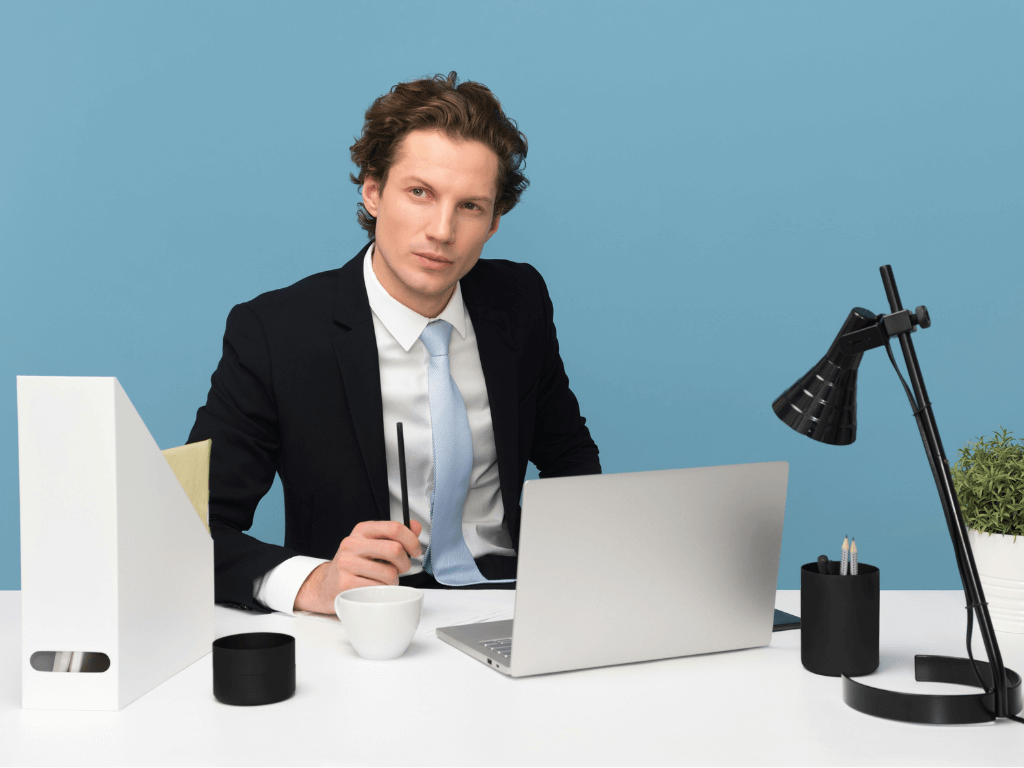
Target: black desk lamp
<point>822,405</point>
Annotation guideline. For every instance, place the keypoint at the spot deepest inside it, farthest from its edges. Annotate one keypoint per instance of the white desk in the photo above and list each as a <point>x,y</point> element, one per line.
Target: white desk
<point>437,706</point>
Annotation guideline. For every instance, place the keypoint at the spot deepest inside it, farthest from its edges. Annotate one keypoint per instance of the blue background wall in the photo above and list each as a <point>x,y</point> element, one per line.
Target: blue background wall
<point>714,186</point>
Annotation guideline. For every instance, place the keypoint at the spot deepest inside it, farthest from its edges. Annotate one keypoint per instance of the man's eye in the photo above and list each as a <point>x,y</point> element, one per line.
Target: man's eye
<point>473,206</point>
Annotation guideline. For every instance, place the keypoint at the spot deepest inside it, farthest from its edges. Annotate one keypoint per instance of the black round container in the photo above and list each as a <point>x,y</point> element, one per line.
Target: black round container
<point>839,621</point>
<point>253,668</point>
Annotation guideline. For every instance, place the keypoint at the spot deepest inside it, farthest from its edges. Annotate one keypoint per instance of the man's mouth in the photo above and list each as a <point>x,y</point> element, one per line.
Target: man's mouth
<point>432,261</point>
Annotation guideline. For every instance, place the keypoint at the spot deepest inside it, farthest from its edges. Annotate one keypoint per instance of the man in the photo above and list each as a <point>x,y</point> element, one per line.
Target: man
<point>314,378</point>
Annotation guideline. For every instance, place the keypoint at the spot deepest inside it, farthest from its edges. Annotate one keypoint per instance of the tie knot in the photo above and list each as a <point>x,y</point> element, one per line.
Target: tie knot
<point>436,336</point>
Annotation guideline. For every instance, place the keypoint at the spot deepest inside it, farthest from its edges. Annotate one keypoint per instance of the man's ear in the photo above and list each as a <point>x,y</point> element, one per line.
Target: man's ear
<point>494,227</point>
<point>371,195</point>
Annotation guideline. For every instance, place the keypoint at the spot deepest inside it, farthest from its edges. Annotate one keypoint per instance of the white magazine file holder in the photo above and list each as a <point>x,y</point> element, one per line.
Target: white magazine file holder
<point>115,559</point>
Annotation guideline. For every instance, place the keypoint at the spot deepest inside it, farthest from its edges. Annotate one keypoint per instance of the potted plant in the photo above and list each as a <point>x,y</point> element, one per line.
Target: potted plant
<point>989,482</point>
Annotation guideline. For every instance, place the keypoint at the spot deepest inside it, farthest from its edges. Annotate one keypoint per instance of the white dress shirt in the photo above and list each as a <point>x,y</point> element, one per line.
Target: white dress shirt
<point>403,361</point>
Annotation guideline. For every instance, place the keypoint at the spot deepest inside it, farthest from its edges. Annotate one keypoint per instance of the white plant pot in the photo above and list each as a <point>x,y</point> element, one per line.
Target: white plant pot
<point>1000,562</point>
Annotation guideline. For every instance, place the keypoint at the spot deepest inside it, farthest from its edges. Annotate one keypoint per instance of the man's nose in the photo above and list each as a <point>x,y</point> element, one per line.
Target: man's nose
<point>441,226</point>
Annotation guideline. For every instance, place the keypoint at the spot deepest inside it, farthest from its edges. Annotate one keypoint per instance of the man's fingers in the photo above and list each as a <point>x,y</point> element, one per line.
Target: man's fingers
<point>377,571</point>
<point>391,529</point>
<point>386,550</point>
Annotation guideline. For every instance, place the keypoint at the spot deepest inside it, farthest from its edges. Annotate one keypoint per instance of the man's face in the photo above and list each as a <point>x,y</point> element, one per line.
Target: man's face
<point>433,217</point>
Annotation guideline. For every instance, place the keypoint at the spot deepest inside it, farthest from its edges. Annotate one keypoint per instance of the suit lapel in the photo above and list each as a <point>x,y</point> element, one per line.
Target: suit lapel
<point>355,346</point>
<point>498,361</point>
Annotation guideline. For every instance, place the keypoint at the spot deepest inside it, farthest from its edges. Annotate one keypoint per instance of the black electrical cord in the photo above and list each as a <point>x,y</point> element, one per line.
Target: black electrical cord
<point>970,608</point>
<point>910,396</point>
<point>970,655</point>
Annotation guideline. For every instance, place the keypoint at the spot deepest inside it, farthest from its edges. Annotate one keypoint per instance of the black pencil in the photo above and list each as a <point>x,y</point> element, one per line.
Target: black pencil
<point>401,471</point>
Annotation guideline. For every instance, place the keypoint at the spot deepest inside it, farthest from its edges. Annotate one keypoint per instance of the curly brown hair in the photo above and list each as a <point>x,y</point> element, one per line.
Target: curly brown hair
<point>468,112</point>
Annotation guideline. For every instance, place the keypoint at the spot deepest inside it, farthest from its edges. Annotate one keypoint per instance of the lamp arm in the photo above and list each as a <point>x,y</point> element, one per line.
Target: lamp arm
<point>950,503</point>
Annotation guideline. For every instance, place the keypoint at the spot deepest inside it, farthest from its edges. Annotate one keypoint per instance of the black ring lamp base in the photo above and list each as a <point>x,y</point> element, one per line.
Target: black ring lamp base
<point>935,708</point>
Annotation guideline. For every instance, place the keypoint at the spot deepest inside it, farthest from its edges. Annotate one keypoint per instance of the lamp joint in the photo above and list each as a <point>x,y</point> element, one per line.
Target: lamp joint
<point>898,322</point>
<point>875,335</point>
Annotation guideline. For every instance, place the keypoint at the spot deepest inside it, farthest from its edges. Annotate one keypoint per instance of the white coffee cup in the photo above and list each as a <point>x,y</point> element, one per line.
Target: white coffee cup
<point>380,621</point>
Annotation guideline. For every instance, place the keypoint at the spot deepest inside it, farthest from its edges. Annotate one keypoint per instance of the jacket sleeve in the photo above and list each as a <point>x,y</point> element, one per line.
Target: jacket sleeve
<point>240,416</point>
<point>562,444</point>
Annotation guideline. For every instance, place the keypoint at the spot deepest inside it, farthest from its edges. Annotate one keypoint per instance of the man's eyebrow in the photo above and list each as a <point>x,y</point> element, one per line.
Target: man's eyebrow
<point>421,183</point>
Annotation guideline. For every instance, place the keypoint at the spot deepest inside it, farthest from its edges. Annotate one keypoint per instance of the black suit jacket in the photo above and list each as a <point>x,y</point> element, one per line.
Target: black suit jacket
<point>297,393</point>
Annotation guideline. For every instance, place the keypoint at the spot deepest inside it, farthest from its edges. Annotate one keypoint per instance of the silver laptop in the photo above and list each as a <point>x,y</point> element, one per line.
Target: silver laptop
<point>639,566</point>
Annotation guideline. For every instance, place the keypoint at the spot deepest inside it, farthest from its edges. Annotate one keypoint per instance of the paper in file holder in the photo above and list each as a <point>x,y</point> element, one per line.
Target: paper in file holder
<point>116,564</point>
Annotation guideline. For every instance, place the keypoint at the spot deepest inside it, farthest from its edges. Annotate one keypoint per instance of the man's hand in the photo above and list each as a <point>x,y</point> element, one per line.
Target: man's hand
<point>375,553</point>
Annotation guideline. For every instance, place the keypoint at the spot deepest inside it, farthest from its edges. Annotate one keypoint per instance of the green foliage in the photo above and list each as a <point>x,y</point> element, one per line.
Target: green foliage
<point>989,482</point>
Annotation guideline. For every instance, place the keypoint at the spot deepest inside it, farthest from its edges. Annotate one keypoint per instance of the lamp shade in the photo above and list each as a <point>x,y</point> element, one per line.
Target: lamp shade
<point>822,404</point>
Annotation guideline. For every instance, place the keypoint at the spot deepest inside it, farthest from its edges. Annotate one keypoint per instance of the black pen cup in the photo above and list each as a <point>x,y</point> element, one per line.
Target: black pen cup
<point>839,621</point>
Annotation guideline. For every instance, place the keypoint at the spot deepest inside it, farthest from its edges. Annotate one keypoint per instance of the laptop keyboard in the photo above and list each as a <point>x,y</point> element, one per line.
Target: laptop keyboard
<point>500,647</point>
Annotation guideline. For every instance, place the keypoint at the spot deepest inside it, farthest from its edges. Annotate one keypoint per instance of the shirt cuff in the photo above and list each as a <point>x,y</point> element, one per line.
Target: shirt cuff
<point>278,587</point>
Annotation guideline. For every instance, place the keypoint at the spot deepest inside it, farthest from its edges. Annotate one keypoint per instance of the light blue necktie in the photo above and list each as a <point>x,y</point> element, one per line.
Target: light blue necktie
<point>448,557</point>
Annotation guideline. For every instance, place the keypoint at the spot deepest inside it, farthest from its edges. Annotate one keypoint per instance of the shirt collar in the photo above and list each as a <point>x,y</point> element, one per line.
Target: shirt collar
<point>403,323</point>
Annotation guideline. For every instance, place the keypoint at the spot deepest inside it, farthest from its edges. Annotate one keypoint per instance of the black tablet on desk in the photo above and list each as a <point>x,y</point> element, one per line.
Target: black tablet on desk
<point>785,620</point>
